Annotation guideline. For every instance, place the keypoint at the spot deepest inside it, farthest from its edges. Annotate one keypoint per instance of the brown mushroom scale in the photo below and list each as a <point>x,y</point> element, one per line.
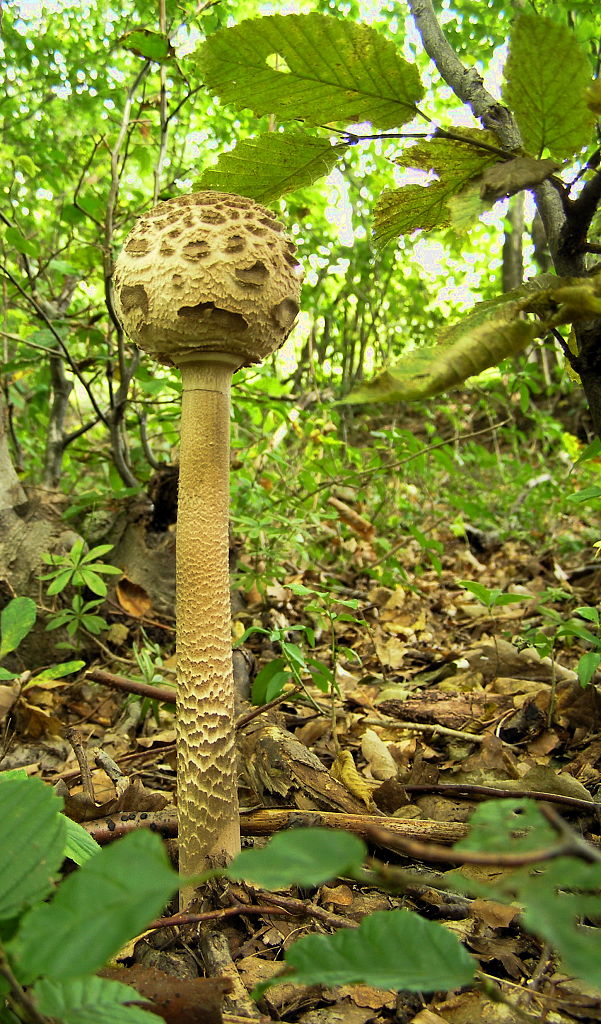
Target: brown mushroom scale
<point>207,282</point>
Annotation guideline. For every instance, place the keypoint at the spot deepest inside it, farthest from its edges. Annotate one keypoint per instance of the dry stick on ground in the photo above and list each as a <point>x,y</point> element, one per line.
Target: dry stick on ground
<point>163,693</point>
<point>167,695</point>
<point>276,905</point>
<point>570,845</point>
<point>468,790</point>
<point>267,822</point>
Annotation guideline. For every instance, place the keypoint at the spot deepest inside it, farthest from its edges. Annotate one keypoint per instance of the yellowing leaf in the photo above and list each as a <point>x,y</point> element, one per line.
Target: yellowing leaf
<point>511,176</point>
<point>345,771</point>
<point>415,207</point>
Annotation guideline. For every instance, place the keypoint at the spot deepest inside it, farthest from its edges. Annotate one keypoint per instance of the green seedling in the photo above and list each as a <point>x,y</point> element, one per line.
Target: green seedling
<point>79,568</point>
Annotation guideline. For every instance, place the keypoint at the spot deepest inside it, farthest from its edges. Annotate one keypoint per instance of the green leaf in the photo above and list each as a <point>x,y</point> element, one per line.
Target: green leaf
<point>148,44</point>
<point>17,619</point>
<point>79,845</point>
<point>271,165</point>
<point>32,844</point>
<point>414,207</point>
<point>593,449</point>
<point>56,672</point>
<point>552,913</point>
<point>391,949</point>
<point>484,594</point>
<point>90,1001</point>
<point>18,241</point>
<point>504,599</point>
<point>60,581</point>
<point>586,494</point>
<point>430,371</point>
<point>587,666</point>
<point>94,583</point>
<point>572,628</point>
<point>293,653</point>
<point>270,681</point>
<point>547,76</point>
<point>588,613</point>
<point>311,67</point>
<point>301,857</point>
<point>96,909</point>
<point>97,552</point>
<point>513,823</point>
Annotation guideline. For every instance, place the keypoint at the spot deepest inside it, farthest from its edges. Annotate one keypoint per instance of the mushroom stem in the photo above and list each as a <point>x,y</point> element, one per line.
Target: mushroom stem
<point>208,818</point>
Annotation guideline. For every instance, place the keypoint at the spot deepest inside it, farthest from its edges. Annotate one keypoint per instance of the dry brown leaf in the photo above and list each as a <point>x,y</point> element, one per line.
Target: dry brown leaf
<point>380,761</point>
<point>133,599</point>
<point>352,519</point>
<point>495,915</point>
<point>176,1000</point>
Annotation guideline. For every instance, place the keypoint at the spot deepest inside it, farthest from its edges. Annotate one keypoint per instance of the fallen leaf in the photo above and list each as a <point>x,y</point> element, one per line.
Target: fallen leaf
<point>133,599</point>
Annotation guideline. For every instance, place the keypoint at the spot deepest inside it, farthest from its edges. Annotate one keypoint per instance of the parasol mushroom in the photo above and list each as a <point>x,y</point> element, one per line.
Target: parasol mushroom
<point>207,282</point>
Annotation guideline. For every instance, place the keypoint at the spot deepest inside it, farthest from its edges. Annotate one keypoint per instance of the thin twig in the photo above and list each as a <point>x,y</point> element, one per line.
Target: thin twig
<point>76,741</point>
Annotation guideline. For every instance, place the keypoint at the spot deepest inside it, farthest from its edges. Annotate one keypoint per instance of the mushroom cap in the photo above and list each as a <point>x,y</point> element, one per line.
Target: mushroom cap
<point>207,271</point>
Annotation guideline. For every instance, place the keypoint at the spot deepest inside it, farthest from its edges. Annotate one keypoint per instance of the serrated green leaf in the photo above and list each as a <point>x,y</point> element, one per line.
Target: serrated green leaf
<point>79,845</point>
<point>311,67</point>
<point>96,909</point>
<point>547,75</point>
<point>512,823</point>
<point>90,1001</point>
<point>32,844</point>
<point>301,857</point>
<point>553,913</point>
<point>16,621</point>
<point>423,207</point>
<point>432,370</point>
<point>271,165</point>
<point>391,949</point>
<point>148,44</point>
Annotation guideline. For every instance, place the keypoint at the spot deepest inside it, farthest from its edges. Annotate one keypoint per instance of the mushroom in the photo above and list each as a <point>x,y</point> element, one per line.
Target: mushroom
<point>207,282</point>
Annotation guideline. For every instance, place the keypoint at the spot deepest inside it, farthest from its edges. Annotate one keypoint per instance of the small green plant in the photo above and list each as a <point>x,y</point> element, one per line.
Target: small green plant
<point>294,665</point>
<point>55,934</point>
<point>575,627</point>
<point>149,659</point>
<point>16,621</point>
<point>545,640</point>
<point>79,568</point>
<point>490,597</point>
<point>80,616</point>
<point>82,570</point>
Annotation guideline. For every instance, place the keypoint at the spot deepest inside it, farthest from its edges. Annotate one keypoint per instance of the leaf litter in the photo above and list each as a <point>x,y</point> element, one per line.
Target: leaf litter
<point>433,704</point>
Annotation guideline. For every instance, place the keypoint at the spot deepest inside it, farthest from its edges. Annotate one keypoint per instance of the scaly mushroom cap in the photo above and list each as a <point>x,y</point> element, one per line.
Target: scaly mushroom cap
<point>207,271</point>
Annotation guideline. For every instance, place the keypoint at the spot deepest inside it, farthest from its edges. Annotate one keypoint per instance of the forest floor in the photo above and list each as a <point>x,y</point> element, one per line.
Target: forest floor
<point>437,706</point>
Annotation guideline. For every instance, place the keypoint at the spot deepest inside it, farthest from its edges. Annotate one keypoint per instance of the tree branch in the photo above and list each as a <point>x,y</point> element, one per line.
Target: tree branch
<point>468,86</point>
<point>466,83</point>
